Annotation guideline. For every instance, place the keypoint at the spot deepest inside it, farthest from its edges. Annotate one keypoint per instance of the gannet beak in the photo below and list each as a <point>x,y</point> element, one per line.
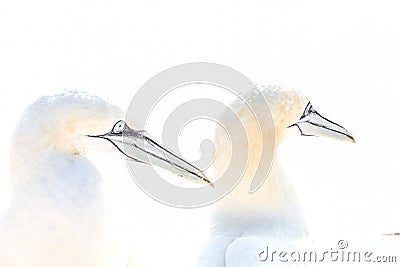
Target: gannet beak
<point>139,147</point>
<point>312,123</point>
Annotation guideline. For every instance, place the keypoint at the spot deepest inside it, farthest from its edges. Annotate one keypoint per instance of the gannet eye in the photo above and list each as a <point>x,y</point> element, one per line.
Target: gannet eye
<point>119,127</point>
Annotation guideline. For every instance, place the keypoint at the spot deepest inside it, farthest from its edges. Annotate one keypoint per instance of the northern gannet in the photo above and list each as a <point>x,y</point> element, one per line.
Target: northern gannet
<point>58,215</point>
<point>243,223</point>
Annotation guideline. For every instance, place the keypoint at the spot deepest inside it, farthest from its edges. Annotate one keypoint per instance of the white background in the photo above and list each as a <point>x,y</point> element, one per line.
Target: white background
<point>344,55</point>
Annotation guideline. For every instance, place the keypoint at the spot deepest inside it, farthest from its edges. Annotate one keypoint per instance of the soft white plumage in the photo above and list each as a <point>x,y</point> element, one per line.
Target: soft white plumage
<point>244,224</point>
<point>58,215</point>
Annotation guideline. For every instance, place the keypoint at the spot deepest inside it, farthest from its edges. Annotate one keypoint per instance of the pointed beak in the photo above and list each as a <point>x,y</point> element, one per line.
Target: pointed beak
<point>314,124</point>
<point>139,147</point>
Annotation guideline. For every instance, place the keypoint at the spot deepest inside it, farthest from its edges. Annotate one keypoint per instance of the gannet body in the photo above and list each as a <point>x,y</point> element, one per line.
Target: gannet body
<point>244,224</point>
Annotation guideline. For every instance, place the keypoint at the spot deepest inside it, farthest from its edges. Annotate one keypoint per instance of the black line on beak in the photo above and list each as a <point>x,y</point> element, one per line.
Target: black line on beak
<point>301,132</point>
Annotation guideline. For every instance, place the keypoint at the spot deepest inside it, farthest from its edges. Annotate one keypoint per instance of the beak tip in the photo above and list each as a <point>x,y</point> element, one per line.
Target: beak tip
<point>351,137</point>
<point>207,181</point>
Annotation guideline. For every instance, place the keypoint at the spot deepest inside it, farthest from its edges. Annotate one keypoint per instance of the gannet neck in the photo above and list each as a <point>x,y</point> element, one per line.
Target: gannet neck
<point>274,204</point>
<point>57,125</point>
<point>275,201</point>
<point>275,194</point>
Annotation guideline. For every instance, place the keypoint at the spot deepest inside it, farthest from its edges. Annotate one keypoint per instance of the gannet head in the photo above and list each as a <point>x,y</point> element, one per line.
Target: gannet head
<point>58,124</point>
<point>292,114</point>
